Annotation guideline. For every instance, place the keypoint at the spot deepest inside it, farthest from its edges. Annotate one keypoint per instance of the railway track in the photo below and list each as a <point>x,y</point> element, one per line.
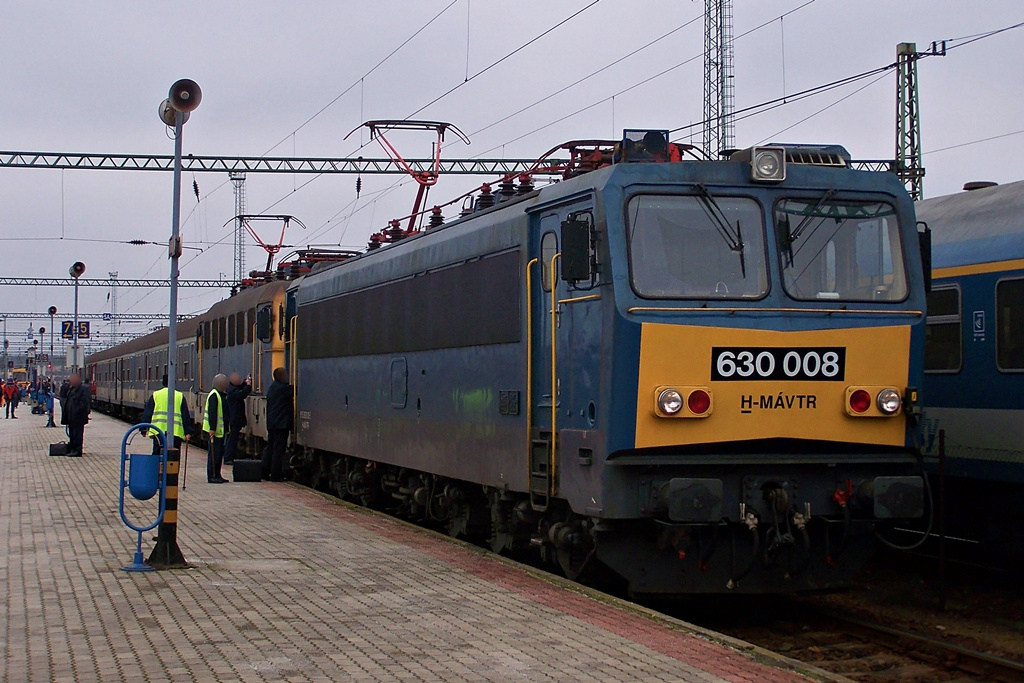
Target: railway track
<point>857,648</point>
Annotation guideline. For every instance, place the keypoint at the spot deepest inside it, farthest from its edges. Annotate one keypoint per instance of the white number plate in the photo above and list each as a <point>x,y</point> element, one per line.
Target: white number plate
<point>823,364</point>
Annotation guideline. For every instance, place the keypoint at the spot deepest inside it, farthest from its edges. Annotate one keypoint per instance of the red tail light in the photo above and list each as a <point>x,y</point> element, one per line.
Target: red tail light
<point>860,401</point>
<point>699,401</point>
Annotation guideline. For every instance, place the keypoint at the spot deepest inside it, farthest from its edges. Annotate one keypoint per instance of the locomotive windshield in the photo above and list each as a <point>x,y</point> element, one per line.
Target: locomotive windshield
<point>840,251</point>
<point>697,247</point>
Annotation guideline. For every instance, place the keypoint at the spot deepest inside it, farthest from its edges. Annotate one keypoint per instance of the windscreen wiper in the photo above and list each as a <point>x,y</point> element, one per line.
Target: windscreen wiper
<point>734,239</point>
<point>787,236</point>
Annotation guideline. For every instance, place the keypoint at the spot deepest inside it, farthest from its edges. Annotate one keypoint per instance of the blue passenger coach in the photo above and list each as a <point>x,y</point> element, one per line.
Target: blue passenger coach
<point>974,360</point>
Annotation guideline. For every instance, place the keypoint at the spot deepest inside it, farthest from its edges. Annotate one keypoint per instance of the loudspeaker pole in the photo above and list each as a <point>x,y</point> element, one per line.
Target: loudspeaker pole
<point>185,96</point>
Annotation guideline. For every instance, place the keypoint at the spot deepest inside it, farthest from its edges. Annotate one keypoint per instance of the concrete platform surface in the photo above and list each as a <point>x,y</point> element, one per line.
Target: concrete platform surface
<point>289,585</point>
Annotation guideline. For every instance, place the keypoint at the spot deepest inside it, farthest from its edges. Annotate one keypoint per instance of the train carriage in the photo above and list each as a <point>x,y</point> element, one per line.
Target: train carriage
<point>974,361</point>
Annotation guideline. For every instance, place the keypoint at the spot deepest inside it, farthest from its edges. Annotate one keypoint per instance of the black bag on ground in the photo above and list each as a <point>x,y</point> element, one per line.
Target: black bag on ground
<point>59,448</point>
<point>247,470</point>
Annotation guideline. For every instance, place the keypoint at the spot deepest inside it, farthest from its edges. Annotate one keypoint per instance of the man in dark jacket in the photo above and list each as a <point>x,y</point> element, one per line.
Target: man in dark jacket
<point>235,400</point>
<point>280,418</point>
<point>75,414</point>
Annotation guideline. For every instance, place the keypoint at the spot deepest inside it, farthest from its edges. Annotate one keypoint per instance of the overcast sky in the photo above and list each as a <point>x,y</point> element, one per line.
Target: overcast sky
<point>88,76</point>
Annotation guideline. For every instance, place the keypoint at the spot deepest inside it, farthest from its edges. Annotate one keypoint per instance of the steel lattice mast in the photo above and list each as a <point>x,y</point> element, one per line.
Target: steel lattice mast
<point>238,180</point>
<point>909,164</point>
<point>719,91</point>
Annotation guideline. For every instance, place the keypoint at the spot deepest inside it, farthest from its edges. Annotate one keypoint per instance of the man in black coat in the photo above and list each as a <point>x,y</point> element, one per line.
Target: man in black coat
<point>280,419</point>
<point>237,393</point>
<point>75,414</point>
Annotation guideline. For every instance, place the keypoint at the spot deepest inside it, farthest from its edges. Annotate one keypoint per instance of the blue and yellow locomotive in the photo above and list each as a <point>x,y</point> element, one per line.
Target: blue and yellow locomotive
<point>694,376</point>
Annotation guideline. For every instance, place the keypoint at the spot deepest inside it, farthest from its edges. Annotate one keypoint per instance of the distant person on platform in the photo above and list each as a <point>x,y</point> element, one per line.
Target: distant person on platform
<point>215,426</point>
<point>280,419</point>
<point>12,395</point>
<point>237,393</point>
<point>155,413</point>
<point>75,414</point>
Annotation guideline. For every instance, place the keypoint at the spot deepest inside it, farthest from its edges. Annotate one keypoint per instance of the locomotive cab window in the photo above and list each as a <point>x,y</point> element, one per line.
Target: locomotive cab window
<point>697,247</point>
<point>835,250</point>
<point>943,350</point>
<point>1010,325</point>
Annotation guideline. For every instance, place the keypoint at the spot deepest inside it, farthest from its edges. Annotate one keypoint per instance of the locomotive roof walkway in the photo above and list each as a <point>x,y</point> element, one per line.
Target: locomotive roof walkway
<point>288,585</point>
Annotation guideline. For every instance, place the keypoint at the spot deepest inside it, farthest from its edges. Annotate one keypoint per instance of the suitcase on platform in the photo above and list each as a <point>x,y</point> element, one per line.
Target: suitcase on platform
<point>247,470</point>
<point>59,448</point>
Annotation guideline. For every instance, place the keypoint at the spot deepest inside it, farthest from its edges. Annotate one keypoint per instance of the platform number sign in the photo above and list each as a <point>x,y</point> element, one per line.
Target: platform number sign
<point>67,327</point>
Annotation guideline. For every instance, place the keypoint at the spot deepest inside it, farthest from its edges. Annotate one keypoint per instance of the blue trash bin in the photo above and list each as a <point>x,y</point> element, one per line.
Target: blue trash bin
<point>143,475</point>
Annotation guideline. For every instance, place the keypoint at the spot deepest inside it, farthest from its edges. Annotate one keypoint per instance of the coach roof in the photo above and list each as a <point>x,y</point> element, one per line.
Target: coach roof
<point>980,226</point>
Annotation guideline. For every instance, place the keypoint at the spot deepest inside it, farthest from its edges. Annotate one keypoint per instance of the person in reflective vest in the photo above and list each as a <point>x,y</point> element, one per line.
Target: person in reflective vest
<point>155,413</point>
<point>215,426</point>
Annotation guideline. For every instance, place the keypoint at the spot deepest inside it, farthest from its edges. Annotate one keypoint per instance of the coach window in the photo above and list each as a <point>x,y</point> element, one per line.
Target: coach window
<point>943,351</point>
<point>231,330</point>
<point>240,328</point>
<point>1010,325</point>
<point>206,335</point>
<point>548,249</point>
<point>222,323</point>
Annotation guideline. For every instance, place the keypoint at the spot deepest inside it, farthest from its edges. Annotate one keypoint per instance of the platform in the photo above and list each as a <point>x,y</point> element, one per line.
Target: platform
<point>290,585</point>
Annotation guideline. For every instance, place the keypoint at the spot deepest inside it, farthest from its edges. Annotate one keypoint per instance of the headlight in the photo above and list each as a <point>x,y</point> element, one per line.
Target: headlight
<point>670,401</point>
<point>768,164</point>
<point>889,401</point>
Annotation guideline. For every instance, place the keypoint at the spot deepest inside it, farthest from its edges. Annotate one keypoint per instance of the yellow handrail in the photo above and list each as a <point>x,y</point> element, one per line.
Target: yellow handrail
<point>554,375</point>
<point>589,297</point>
<point>294,324</point>
<point>257,367</point>
<point>529,371</point>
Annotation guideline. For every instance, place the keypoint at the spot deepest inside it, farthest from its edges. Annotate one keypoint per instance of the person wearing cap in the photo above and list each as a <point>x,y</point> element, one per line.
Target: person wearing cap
<point>155,413</point>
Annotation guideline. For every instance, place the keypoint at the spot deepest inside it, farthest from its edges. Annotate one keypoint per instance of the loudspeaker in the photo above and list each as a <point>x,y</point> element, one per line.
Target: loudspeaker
<point>167,113</point>
<point>77,269</point>
<point>185,95</point>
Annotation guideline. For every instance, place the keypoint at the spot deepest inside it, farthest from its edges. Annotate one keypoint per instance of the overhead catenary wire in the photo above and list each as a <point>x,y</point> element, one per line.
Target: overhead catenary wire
<point>645,81</point>
<point>974,142</point>
<point>451,90</point>
<point>511,54</point>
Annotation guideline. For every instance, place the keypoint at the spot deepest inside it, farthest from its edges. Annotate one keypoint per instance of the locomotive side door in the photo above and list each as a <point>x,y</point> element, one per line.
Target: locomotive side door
<point>541,398</point>
<point>551,358</point>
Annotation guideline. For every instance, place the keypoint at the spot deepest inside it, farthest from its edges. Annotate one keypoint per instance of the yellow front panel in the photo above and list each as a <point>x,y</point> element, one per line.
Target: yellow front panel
<point>681,355</point>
